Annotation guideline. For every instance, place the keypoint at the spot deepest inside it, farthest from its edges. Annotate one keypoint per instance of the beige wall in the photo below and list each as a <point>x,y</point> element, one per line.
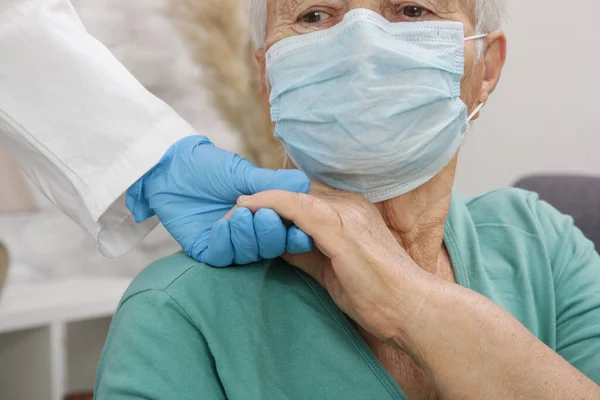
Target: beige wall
<point>545,116</point>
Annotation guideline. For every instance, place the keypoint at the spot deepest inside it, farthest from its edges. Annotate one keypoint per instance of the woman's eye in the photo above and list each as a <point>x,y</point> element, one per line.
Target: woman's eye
<point>413,11</point>
<point>314,17</point>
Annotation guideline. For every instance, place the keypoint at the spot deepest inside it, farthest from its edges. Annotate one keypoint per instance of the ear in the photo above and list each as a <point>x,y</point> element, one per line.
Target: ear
<point>493,63</point>
<point>262,64</point>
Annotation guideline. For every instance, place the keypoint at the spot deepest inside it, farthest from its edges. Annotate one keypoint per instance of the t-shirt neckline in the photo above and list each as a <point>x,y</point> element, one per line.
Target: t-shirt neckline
<point>457,220</point>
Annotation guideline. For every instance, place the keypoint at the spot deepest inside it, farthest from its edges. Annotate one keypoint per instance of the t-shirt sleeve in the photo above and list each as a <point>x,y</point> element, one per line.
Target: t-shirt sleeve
<point>155,352</point>
<point>576,269</point>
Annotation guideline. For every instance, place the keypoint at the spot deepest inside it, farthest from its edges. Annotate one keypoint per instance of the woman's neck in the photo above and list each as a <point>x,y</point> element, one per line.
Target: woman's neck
<point>417,220</point>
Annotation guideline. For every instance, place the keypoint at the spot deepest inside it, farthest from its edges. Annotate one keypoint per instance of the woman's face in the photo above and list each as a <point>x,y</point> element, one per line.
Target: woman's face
<point>287,18</point>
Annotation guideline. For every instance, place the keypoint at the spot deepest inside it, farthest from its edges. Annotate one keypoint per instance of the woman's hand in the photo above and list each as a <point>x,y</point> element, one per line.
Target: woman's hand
<point>358,261</point>
<point>467,345</point>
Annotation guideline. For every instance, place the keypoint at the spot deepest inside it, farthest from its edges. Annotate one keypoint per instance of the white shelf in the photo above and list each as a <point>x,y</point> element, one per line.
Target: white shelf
<point>37,304</point>
<point>51,335</point>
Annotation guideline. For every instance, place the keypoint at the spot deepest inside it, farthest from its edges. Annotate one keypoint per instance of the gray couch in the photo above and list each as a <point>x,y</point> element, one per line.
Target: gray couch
<point>577,196</point>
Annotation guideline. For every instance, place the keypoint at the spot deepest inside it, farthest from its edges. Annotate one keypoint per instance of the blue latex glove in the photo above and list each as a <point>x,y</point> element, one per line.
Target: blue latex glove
<point>192,188</point>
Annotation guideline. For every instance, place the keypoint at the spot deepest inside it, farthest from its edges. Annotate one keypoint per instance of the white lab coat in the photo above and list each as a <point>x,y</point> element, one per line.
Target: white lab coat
<point>79,124</point>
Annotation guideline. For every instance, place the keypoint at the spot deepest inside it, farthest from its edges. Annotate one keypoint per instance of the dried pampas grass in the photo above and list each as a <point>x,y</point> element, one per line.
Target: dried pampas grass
<point>3,266</point>
<point>218,37</point>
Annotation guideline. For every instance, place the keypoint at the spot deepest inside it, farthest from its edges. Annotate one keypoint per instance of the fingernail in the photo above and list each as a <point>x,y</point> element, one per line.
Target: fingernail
<point>243,199</point>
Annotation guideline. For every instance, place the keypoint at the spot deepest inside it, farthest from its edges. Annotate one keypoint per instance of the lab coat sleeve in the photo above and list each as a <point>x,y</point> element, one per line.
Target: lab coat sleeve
<point>79,124</point>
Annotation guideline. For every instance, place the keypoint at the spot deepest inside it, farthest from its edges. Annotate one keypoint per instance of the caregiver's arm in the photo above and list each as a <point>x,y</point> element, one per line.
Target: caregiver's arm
<point>469,346</point>
<point>154,352</point>
<point>85,130</point>
<point>79,124</point>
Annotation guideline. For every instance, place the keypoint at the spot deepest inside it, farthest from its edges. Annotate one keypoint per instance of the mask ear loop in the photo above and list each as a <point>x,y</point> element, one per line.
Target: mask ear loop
<point>475,111</point>
<point>479,107</point>
<point>475,37</point>
<point>479,44</point>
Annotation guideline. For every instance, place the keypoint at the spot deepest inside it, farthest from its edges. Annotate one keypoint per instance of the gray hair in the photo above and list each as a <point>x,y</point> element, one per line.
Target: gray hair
<point>489,15</point>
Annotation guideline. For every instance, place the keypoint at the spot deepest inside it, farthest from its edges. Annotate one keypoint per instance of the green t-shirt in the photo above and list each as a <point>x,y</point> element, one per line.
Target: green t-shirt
<point>267,331</point>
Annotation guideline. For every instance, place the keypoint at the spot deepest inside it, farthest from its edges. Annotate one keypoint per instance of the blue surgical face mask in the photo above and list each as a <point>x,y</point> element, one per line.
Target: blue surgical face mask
<point>370,106</point>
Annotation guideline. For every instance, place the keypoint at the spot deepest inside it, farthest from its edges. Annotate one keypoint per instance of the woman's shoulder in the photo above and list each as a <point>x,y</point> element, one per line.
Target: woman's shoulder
<point>514,216</point>
<point>172,322</point>
<point>178,273</point>
<point>162,273</point>
<point>518,210</point>
<point>202,291</point>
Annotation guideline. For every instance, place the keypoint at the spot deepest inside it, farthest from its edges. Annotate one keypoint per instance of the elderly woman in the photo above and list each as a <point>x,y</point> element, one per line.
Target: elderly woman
<point>412,291</point>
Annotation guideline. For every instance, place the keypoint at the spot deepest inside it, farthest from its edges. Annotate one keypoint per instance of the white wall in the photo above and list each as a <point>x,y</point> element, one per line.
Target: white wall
<point>545,115</point>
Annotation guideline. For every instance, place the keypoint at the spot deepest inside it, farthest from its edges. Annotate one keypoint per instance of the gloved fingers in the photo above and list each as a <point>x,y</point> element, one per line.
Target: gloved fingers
<point>198,247</point>
<point>270,234</point>
<point>297,241</point>
<point>249,179</point>
<point>230,213</point>
<point>219,252</point>
<point>243,237</point>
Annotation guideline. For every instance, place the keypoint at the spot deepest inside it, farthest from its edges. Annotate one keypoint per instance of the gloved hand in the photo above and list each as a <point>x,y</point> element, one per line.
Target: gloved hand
<point>194,186</point>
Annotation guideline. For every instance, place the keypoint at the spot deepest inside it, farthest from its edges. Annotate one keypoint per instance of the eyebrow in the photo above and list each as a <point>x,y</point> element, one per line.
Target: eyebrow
<point>296,3</point>
<point>439,5</point>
